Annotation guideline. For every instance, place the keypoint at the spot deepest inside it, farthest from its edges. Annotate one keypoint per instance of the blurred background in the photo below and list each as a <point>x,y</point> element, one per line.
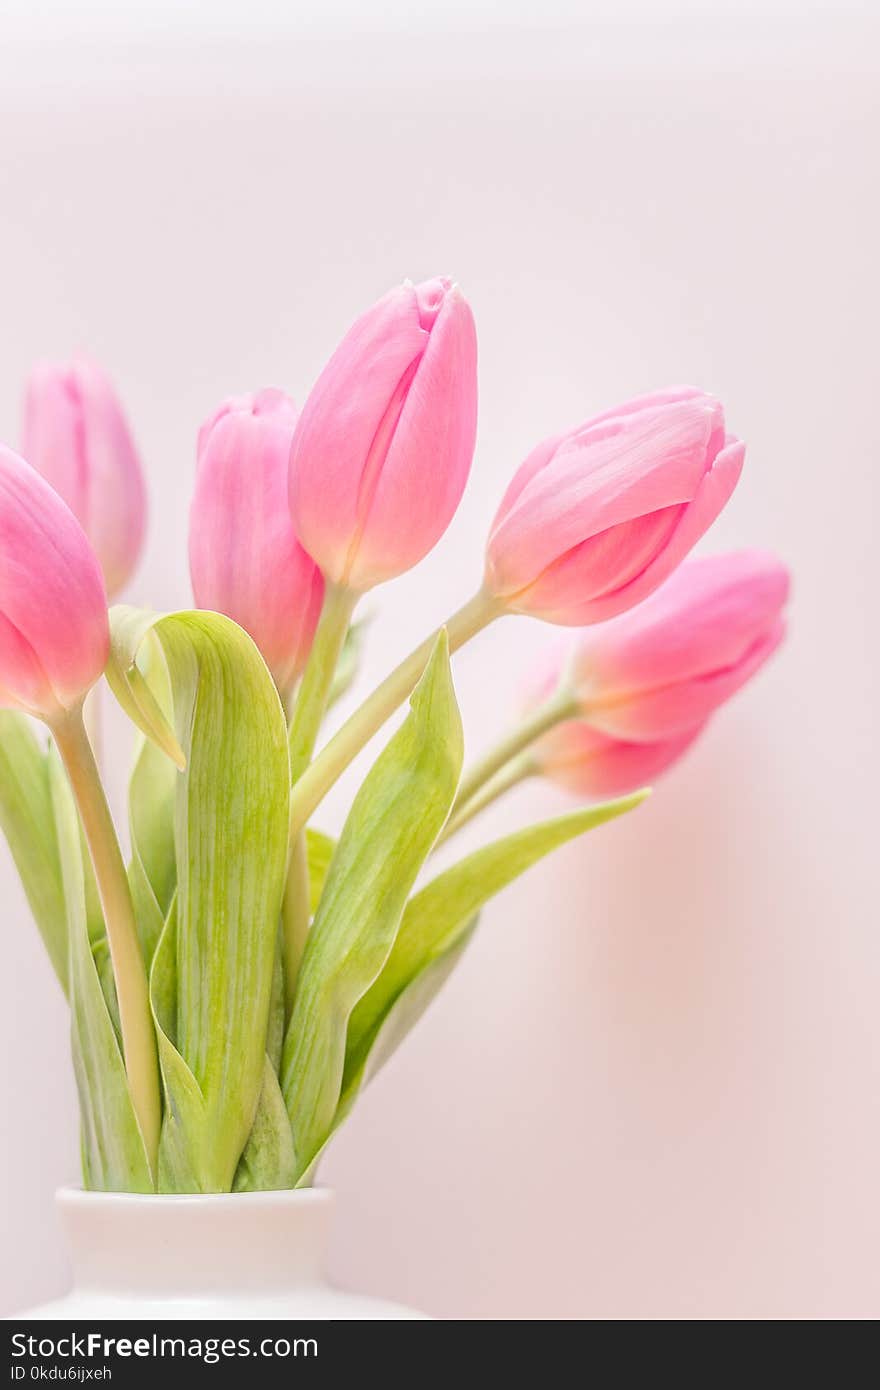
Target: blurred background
<point>652,1090</point>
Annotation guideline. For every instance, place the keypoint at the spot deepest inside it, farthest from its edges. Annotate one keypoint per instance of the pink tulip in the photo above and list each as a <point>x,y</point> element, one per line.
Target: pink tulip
<point>661,669</point>
<point>384,445</point>
<point>245,559</point>
<point>589,763</point>
<point>76,435</point>
<point>596,519</point>
<point>54,636</point>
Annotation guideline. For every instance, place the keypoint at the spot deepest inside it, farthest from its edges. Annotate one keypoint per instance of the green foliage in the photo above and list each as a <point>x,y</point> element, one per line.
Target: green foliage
<point>438,916</point>
<point>393,823</point>
<point>28,823</point>
<point>213,968</point>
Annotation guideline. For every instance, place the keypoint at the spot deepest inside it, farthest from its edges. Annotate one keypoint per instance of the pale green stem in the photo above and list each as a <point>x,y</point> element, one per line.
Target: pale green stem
<point>508,777</point>
<point>561,705</point>
<point>129,972</point>
<point>94,722</point>
<point>308,712</point>
<point>357,731</point>
<point>314,691</point>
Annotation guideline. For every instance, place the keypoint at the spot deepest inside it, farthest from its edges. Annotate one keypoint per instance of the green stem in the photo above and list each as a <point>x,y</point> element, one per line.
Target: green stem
<point>311,702</point>
<point>345,745</point>
<point>561,705</point>
<point>509,776</point>
<point>129,972</point>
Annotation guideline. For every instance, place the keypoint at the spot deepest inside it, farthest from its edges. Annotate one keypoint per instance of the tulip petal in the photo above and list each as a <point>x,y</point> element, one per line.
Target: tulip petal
<point>77,437</point>
<point>704,619</point>
<point>712,496</point>
<point>245,559</point>
<point>428,460</point>
<point>670,710</point>
<point>51,591</point>
<point>604,476</point>
<point>588,763</point>
<point>339,423</point>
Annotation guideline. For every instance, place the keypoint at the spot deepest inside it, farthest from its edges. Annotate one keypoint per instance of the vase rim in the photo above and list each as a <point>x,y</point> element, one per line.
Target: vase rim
<point>70,1196</point>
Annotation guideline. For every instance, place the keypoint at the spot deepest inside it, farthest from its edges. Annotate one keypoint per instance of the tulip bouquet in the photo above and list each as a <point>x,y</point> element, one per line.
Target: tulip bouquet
<point>236,982</point>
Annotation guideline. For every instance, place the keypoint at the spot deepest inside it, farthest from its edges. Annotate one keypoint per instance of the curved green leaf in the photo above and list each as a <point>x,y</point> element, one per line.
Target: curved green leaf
<point>395,819</point>
<point>27,820</point>
<point>213,969</point>
<point>434,921</point>
<point>268,1162</point>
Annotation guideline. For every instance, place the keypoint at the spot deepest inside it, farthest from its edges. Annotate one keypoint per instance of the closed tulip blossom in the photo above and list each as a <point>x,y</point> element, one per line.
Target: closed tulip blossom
<point>596,519</point>
<point>589,763</point>
<point>75,434</point>
<point>53,609</point>
<point>245,559</point>
<point>664,667</point>
<point>592,523</point>
<point>384,444</point>
<point>613,709</point>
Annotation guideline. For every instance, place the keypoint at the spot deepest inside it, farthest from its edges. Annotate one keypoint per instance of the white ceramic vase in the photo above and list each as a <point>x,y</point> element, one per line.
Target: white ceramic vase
<point>245,1255</point>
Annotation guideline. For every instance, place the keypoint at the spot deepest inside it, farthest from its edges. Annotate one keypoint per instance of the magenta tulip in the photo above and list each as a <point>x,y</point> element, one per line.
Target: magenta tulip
<point>76,435</point>
<point>662,669</point>
<point>54,636</point>
<point>596,519</point>
<point>589,763</point>
<point>384,444</point>
<point>245,559</point>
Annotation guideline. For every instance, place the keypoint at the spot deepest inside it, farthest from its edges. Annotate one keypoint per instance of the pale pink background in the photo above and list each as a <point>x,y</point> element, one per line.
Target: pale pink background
<point>653,1089</point>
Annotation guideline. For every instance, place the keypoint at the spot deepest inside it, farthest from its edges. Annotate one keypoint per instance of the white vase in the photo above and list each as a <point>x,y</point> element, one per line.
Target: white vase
<point>242,1255</point>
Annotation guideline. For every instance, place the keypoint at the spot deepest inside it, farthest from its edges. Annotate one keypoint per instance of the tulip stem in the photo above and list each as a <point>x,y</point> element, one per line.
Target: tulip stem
<point>314,692</point>
<point>561,705</point>
<point>507,777</point>
<point>129,972</point>
<point>93,717</point>
<point>360,727</point>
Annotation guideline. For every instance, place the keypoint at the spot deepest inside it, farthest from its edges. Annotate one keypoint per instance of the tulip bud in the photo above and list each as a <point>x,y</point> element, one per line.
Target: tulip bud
<point>54,636</point>
<point>76,435</point>
<point>589,763</point>
<point>664,667</point>
<point>384,444</point>
<point>596,519</point>
<point>245,559</point>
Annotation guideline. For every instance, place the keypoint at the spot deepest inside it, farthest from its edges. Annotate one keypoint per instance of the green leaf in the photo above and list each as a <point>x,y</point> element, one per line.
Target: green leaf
<point>130,630</point>
<point>211,981</point>
<point>319,848</point>
<point>113,1153</point>
<point>393,823</point>
<point>28,823</point>
<point>152,871</point>
<point>268,1162</point>
<point>436,919</point>
<point>152,790</point>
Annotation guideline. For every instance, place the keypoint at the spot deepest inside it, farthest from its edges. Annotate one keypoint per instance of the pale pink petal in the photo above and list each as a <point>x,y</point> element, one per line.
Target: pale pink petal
<point>608,475</point>
<point>51,589</point>
<point>345,424</point>
<point>245,559</point>
<point>428,459</point>
<point>588,763</point>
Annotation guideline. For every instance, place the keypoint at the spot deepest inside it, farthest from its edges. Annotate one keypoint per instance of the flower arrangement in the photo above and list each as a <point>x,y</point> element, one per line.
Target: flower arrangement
<point>236,983</point>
